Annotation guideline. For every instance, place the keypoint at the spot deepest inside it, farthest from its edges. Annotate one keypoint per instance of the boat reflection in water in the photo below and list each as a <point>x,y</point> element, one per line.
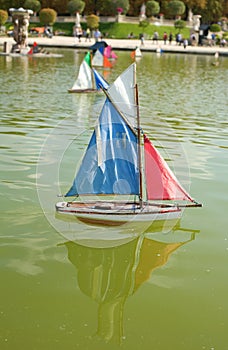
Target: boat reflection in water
<point>109,275</point>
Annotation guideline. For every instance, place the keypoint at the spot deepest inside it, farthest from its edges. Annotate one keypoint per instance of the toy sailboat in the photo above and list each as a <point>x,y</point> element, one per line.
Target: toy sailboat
<point>109,53</point>
<point>88,79</point>
<point>100,60</point>
<point>136,53</point>
<point>128,178</point>
<point>101,51</point>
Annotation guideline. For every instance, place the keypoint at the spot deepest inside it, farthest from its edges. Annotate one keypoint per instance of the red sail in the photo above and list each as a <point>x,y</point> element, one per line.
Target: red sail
<point>160,180</point>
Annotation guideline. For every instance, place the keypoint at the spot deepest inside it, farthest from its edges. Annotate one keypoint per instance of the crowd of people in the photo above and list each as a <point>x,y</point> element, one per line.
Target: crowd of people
<point>166,38</point>
<point>87,34</point>
<point>179,39</point>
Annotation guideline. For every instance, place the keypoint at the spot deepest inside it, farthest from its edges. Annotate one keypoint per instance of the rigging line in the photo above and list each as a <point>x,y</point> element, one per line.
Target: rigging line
<point>118,110</point>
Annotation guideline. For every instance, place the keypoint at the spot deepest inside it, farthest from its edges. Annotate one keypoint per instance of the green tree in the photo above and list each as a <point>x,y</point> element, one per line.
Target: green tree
<point>210,10</point>
<point>92,21</point>
<point>152,8</point>
<point>33,5</point>
<point>60,6</point>
<point>124,4</point>
<point>17,3</point>
<point>48,3</point>
<point>47,16</point>
<point>215,28</point>
<point>3,17</point>
<point>176,8</point>
<point>90,7</point>
<point>109,7</point>
<point>213,11</point>
<point>195,3</point>
<point>135,6</point>
<point>5,4</point>
<point>179,24</point>
<point>75,6</point>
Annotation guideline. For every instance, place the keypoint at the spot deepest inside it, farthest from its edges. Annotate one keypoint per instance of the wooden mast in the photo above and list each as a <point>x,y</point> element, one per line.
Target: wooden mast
<point>139,147</point>
<point>92,73</point>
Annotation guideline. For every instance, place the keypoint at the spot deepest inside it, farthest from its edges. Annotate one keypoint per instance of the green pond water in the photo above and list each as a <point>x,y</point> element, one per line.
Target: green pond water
<point>67,285</point>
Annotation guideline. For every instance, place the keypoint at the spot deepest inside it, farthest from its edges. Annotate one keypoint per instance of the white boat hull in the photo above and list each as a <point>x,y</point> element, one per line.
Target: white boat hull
<point>113,214</point>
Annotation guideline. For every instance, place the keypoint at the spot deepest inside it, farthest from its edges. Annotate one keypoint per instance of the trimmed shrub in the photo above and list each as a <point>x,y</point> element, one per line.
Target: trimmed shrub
<point>47,16</point>
<point>3,17</point>
<point>75,6</point>
<point>176,8</point>
<point>33,5</point>
<point>179,24</point>
<point>152,8</point>
<point>92,21</point>
<point>215,28</point>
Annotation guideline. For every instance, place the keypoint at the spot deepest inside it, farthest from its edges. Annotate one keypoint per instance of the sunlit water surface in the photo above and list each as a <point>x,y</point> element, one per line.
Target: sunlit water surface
<point>65,285</point>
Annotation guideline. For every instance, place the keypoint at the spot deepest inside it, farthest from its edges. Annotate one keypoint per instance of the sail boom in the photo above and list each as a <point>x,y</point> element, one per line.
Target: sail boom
<point>179,205</point>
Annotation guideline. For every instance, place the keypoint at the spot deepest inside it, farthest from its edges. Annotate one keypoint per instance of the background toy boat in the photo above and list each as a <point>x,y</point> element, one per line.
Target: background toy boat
<point>88,79</point>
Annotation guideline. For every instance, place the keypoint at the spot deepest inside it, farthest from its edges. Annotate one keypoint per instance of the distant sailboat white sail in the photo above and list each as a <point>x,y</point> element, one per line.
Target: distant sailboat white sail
<point>113,166</point>
<point>136,53</point>
<point>99,60</point>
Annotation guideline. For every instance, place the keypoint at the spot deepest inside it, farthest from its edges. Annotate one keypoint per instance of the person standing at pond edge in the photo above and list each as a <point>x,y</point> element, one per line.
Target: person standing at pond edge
<point>97,35</point>
<point>170,38</point>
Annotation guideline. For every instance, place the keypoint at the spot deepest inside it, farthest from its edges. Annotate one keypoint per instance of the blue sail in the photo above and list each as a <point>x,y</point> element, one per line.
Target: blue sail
<point>100,81</point>
<point>110,164</point>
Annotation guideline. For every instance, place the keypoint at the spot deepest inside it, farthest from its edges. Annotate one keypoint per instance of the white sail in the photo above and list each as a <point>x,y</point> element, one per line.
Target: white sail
<point>85,78</point>
<point>122,91</point>
<point>98,59</point>
<point>138,52</point>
